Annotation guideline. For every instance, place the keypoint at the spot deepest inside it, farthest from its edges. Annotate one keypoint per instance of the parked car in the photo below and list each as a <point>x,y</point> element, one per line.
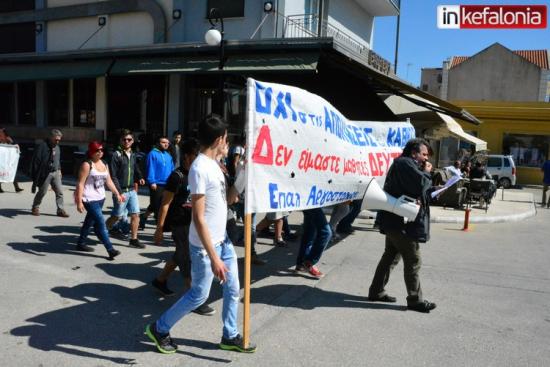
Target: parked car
<point>503,170</point>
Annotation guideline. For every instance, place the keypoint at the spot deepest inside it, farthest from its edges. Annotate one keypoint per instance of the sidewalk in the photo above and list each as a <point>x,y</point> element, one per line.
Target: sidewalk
<point>61,307</point>
<point>511,206</point>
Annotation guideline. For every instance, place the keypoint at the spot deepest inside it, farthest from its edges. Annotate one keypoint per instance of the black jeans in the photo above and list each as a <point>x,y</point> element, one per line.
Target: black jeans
<point>347,221</point>
<point>155,199</point>
<point>180,235</point>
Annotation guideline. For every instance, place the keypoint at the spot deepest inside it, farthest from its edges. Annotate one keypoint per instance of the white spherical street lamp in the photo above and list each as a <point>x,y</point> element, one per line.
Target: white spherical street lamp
<point>213,37</point>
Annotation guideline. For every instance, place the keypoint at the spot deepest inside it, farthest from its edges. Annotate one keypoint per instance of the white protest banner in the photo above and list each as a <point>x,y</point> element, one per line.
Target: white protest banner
<point>9,159</point>
<point>302,153</point>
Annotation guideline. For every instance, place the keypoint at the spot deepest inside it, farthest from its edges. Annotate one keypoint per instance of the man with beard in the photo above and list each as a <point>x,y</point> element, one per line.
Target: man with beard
<point>408,175</point>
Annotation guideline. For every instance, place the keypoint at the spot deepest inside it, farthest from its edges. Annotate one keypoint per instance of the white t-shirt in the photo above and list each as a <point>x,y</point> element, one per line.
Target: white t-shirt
<point>206,177</point>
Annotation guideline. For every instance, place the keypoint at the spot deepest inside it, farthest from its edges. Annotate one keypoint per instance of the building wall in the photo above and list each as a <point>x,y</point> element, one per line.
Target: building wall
<point>431,80</point>
<point>500,118</point>
<point>544,89</point>
<point>495,74</point>
<point>350,18</point>
<point>70,34</point>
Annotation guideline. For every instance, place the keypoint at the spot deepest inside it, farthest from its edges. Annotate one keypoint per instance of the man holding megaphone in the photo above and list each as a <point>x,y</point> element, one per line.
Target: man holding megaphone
<point>408,176</point>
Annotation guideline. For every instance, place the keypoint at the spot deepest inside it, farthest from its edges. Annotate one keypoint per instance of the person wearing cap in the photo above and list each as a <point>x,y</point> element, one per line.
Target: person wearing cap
<point>90,195</point>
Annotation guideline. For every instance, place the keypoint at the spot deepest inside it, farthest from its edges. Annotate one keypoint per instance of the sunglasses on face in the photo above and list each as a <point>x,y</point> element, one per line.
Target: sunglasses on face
<point>126,139</point>
<point>99,150</point>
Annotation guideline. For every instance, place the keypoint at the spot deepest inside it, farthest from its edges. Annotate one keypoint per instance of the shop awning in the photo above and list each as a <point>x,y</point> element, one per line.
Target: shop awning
<point>455,129</point>
<point>54,70</point>
<point>431,123</point>
<point>388,84</point>
<point>240,63</point>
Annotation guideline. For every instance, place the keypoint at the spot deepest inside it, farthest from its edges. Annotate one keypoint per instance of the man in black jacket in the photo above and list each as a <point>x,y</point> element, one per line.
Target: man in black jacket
<point>46,171</point>
<point>126,176</point>
<point>409,175</point>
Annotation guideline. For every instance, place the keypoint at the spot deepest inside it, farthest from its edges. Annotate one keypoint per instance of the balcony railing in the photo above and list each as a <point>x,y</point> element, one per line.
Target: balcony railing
<point>396,3</point>
<point>309,25</point>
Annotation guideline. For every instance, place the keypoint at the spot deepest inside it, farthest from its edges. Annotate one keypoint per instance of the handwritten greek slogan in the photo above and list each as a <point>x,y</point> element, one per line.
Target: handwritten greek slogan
<point>302,153</point>
<point>9,158</point>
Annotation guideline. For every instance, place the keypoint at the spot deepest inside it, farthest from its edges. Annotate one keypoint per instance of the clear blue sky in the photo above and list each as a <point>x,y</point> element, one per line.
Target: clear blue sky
<point>422,44</point>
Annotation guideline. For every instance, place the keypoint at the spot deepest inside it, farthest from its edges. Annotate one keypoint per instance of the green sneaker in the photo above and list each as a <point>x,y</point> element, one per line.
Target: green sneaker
<point>164,344</point>
<point>236,344</point>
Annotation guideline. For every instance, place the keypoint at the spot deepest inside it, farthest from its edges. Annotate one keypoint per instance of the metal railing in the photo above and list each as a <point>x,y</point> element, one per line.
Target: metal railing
<point>396,3</point>
<point>310,25</point>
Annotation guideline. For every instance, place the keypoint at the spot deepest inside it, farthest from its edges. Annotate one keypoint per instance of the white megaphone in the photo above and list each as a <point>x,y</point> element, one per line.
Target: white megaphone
<point>376,198</point>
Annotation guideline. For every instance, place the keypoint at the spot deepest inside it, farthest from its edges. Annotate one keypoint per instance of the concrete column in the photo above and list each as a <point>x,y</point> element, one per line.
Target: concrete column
<point>177,29</point>
<point>71,103</point>
<point>175,108</point>
<point>41,44</point>
<point>41,108</point>
<point>445,80</point>
<point>101,105</point>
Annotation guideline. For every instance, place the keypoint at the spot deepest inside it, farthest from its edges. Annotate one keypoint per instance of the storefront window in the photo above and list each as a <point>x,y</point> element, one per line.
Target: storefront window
<point>527,150</point>
<point>84,102</point>
<point>26,103</point>
<point>57,92</point>
<point>17,37</point>
<point>7,103</point>
<point>235,109</point>
<point>448,151</point>
<point>8,6</point>
<point>207,101</point>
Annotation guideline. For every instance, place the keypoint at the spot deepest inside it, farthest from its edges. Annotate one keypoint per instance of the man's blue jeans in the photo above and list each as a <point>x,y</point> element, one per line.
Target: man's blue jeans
<point>201,273</point>
<point>94,217</point>
<point>316,235</point>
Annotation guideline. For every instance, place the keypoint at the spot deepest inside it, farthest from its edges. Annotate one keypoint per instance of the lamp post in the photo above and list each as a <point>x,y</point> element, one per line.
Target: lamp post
<point>213,37</point>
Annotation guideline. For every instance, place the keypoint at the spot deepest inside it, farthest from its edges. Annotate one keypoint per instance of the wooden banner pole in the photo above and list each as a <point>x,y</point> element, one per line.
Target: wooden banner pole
<point>247,259</point>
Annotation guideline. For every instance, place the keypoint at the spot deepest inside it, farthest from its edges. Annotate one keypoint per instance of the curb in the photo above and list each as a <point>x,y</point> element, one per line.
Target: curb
<point>493,219</point>
<point>516,217</point>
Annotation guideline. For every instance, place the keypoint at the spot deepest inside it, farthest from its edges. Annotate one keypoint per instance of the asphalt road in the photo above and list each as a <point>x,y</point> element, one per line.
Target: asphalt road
<point>65,308</point>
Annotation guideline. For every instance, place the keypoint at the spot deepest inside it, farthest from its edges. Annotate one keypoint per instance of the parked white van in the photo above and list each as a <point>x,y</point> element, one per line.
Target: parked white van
<point>503,170</point>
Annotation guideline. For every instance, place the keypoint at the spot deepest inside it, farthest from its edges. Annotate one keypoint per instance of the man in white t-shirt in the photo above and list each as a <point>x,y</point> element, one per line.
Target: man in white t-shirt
<point>212,253</point>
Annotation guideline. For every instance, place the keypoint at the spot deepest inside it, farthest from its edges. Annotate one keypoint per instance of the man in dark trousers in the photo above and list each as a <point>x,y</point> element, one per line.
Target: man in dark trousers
<point>175,150</point>
<point>409,175</point>
<point>46,171</point>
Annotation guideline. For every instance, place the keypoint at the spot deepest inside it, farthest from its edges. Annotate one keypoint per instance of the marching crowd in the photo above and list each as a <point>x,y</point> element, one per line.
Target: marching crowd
<point>194,196</point>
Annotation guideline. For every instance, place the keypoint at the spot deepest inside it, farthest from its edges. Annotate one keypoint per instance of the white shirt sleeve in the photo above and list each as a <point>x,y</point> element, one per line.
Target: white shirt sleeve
<point>197,182</point>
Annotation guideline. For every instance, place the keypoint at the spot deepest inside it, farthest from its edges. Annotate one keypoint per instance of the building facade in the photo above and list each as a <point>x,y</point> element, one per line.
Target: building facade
<point>73,64</point>
<point>91,68</point>
<point>510,92</point>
